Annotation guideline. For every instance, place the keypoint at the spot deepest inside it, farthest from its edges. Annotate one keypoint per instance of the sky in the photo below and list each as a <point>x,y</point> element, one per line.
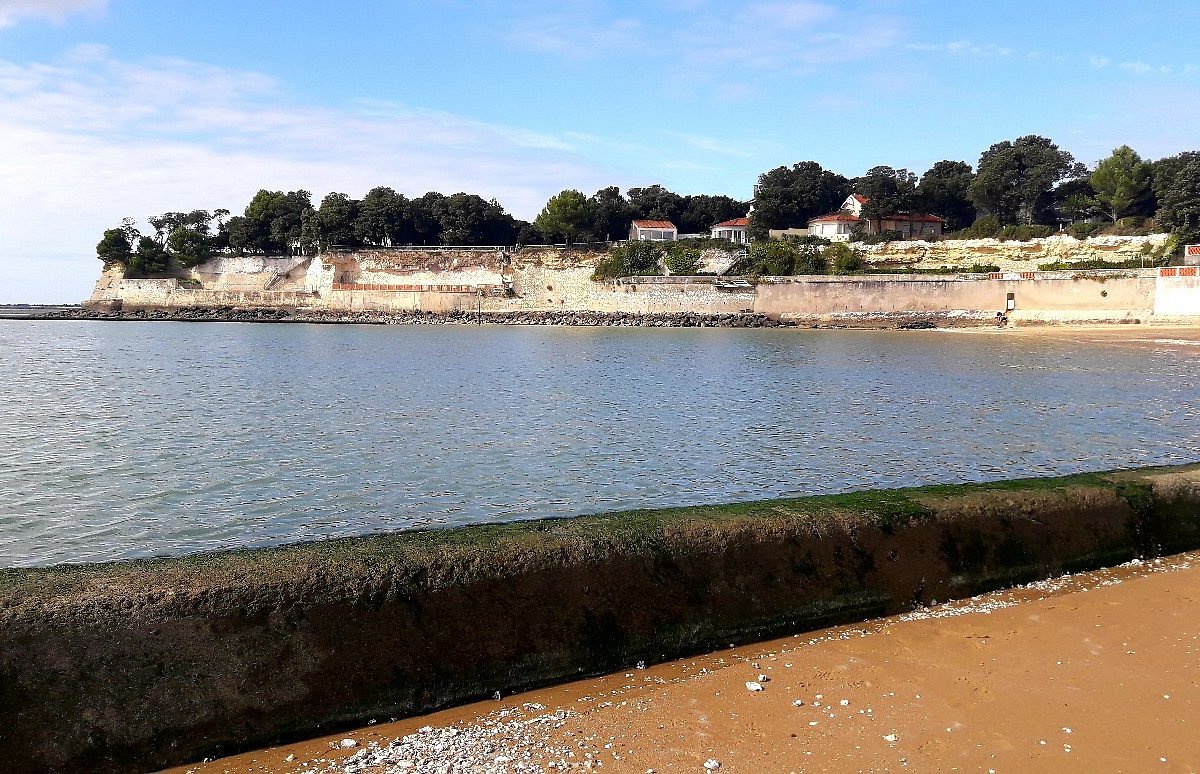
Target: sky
<point>128,108</point>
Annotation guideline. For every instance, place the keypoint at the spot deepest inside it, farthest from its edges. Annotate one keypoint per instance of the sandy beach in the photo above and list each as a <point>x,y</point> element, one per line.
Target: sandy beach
<point>1092,672</point>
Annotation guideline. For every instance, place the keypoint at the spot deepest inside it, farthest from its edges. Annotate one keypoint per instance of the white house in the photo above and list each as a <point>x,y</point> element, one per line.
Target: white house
<point>733,230</point>
<point>838,226</point>
<point>653,231</point>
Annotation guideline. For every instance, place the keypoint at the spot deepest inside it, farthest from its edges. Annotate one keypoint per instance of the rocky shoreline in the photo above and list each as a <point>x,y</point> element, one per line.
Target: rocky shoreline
<point>875,321</point>
<point>418,317</point>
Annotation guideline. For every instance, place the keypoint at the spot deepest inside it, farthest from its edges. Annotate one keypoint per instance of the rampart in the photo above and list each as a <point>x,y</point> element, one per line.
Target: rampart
<point>133,666</point>
<point>546,279</point>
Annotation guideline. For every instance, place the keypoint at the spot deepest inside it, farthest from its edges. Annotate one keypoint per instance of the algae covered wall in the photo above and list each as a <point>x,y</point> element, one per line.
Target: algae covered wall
<point>138,665</point>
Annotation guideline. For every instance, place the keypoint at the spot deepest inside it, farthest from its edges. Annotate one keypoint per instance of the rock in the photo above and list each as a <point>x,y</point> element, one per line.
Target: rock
<point>753,686</point>
<point>890,737</point>
<point>346,744</point>
<point>712,764</point>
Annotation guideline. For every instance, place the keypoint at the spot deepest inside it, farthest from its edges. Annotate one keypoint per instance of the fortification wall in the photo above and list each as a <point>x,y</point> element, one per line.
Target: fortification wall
<point>552,279</point>
<point>1009,255</point>
<point>1113,295</point>
<point>162,662</point>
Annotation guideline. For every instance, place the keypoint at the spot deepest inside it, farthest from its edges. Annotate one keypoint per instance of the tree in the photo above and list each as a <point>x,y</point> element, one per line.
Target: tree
<point>1013,176</point>
<point>787,197</point>
<point>426,220</point>
<point>273,223</point>
<point>384,218</point>
<point>702,212</point>
<point>467,219</point>
<point>1177,185</point>
<point>189,246</point>
<point>335,220</point>
<point>1075,200</point>
<point>1121,181</point>
<point>114,248</point>
<point>565,214</point>
<point>943,192</point>
<point>888,191</point>
<point>656,203</point>
<point>150,257</point>
<point>611,212</point>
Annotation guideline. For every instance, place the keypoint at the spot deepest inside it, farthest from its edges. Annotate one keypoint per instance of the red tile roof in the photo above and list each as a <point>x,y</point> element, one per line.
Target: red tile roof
<point>735,223</point>
<point>654,224</point>
<point>860,198</point>
<point>836,218</point>
<point>913,218</point>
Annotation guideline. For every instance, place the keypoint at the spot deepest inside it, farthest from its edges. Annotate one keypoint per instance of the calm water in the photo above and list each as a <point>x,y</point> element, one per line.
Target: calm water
<point>138,439</point>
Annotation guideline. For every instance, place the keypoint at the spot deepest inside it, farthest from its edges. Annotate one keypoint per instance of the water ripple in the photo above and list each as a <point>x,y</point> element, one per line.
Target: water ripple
<point>141,439</point>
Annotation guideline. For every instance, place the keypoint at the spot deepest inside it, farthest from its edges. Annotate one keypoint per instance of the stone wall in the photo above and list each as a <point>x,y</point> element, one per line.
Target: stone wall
<point>1110,295</point>
<point>552,279</point>
<point>140,665</point>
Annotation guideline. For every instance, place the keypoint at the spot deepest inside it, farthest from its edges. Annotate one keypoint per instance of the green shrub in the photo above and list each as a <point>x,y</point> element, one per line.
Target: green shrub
<point>986,227</point>
<point>882,237</point>
<point>682,259</point>
<point>629,259</point>
<point>841,259</point>
<point>1084,230</point>
<point>1025,233</point>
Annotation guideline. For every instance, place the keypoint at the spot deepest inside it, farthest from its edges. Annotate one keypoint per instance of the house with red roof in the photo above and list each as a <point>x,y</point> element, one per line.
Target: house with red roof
<point>653,231</point>
<point>734,230</point>
<point>839,226</point>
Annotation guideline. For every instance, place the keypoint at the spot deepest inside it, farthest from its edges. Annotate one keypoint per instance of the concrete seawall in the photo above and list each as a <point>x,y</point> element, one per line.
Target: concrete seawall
<point>138,665</point>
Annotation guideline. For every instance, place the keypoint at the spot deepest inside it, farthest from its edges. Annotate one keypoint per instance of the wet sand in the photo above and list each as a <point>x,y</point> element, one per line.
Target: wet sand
<point>1093,672</point>
<point>1153,335</point>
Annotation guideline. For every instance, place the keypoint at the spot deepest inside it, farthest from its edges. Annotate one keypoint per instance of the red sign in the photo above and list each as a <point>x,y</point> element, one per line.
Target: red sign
<point>1191,255</point>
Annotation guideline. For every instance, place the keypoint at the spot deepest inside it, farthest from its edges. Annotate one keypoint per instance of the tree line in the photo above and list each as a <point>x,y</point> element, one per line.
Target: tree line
<point>1028,182</point>
<point>286,223</point>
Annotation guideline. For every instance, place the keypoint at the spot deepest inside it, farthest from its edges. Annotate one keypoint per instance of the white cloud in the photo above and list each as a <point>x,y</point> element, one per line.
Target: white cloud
<point>11,11</point>
<point>700,39</point>
<point>1138,68</point>
<point>91,139</point>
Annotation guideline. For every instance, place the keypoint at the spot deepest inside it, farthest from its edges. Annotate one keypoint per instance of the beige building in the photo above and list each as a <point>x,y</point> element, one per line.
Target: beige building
<point>839,226</point>
<point>653,231</point>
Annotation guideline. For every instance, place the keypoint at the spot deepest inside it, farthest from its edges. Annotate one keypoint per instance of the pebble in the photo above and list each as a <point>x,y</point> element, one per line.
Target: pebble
<point>712,764</point>
<point>890,737</point>
<point>753,686</point>
<point>514,739</point>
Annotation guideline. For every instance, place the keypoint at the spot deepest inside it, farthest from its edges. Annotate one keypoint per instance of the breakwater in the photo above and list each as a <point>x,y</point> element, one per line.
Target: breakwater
<point>138,665</point>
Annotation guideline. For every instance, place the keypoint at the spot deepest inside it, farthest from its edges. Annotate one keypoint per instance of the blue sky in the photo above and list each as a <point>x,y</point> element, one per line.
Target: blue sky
<point>115,108</point>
